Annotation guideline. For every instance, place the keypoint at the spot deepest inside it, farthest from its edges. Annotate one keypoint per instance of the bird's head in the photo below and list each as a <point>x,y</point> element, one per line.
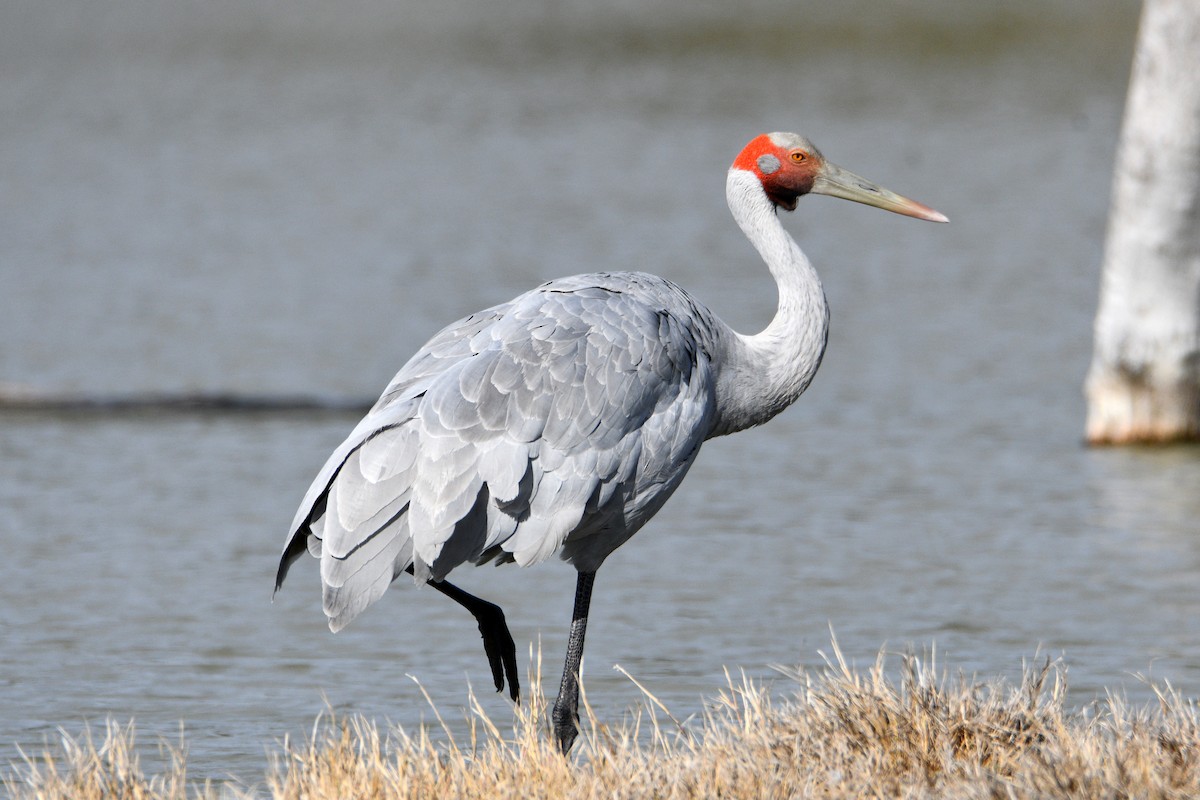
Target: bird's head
<point>788,166</point>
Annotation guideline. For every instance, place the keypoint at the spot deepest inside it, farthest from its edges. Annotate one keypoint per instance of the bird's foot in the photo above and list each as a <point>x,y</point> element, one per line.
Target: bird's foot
<point>499,646</point>
<point>497,641</point>
<point>566,724</point>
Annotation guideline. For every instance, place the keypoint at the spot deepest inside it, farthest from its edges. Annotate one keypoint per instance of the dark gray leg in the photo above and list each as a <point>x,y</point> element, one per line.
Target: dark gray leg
<point>566,707</point>
<point>497,641</point>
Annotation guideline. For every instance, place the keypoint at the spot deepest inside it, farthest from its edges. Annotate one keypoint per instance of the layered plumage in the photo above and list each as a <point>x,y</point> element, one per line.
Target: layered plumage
<point>558,422</point>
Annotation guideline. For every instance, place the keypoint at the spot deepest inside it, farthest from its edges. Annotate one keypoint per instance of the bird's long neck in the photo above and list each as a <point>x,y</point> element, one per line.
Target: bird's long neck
<point>762,374</point>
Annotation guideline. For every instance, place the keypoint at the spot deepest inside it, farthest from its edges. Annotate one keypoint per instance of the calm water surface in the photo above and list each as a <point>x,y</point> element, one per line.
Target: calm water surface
<point>256,198</point>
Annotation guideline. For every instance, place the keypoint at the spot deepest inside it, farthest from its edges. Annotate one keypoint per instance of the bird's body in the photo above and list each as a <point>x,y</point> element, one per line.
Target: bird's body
<point>560,422</point>
<point>518,433</point>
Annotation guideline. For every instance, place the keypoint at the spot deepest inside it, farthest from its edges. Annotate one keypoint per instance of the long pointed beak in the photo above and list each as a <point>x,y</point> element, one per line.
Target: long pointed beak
<point>837,182</point>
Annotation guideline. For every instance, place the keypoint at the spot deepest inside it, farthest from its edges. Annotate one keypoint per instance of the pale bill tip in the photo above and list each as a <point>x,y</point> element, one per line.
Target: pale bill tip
<point>912,208</point>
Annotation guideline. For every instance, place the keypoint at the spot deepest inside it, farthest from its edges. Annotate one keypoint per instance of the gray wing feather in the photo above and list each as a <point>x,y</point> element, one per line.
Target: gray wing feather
<point>556,423</point>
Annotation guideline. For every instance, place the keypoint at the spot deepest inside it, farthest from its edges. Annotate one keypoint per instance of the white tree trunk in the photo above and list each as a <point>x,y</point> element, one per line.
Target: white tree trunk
<point>1144,381</point>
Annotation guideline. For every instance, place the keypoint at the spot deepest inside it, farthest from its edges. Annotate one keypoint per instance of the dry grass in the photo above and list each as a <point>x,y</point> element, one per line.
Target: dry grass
<point>81,769</point>
<point>842,733</point>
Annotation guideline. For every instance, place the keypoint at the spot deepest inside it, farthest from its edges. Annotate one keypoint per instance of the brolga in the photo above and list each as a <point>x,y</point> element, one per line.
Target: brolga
<point>559,422</point>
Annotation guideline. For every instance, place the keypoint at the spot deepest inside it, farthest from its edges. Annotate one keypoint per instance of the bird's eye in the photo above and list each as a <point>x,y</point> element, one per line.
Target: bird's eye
<point>799,156</point>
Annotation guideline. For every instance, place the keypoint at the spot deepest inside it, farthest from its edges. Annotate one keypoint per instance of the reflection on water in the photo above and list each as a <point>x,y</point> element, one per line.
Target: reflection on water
<point>233,198</point>
<point>1149,495</point>
<point>1151,491</point>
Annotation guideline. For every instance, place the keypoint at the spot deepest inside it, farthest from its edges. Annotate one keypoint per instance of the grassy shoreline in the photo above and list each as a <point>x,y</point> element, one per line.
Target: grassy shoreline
<point>839,732</point>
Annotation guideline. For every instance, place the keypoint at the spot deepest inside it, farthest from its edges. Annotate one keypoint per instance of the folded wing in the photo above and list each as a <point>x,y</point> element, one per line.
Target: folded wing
<point>556,423</point>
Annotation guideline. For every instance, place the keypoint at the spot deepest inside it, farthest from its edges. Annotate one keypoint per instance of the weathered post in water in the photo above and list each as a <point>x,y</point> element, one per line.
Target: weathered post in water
<point>1144,381</point>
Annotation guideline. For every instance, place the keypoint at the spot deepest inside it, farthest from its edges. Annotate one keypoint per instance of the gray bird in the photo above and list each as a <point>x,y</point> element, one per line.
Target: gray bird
<point>558,423</point>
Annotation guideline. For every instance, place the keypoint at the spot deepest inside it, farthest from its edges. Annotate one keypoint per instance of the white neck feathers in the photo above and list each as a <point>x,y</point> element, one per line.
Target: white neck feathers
<point>762,374</point>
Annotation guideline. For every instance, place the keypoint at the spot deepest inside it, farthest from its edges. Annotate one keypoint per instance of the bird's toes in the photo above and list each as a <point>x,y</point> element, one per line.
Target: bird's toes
<point>501,652</point>
<point>566,727</point>
<point>510,669</point>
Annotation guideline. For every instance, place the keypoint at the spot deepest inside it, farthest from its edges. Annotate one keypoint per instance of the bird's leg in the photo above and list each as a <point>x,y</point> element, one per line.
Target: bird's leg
<point>497,641</point>
<point>566,707</point>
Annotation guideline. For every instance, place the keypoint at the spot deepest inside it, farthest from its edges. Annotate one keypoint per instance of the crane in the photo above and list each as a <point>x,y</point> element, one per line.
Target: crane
<point>559,423</point>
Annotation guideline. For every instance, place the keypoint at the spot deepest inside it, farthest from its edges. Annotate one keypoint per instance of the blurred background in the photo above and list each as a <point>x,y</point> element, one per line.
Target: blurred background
<point>267,198</point>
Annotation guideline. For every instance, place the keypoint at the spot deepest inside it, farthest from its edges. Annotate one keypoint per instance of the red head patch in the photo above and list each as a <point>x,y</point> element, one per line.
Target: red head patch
<point>785,164</point>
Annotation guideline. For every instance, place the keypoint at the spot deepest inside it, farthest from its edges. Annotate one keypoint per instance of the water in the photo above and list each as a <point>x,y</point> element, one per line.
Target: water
<point>238,197</point>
